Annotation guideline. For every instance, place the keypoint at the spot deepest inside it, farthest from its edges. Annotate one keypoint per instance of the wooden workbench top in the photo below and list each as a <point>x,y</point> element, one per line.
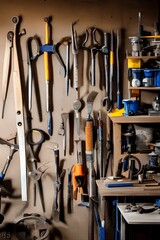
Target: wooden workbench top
<point>135,190</point>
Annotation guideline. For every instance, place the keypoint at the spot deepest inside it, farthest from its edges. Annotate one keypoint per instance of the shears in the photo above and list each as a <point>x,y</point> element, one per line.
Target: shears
<point>35,137</point>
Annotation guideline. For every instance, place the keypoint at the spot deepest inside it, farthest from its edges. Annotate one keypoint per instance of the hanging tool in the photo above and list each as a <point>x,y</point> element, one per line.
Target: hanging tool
<point>47,77</point>
<point>78,173</point>
<point>76,84</point>
<point>31,60</point>
<point>67,77</point>
<point>90,159</point>
<point>119,100</point>
<point>47,49</point>
<point>19,108</point>
<point>105,51</point>
<point>77,105</point>
<point>58,182</point>
<point>32,226</point>
<point>6,68</point>
<point>111,66</point>
<point>69,193</point>
<point>13,148</point>
<point>94,50</point>
<point>32,136</point>
<point>75,56</point>
<point>63,130</point>
<point>100,170</point>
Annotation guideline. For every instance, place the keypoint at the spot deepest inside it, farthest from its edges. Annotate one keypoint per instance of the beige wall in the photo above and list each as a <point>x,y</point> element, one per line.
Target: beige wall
<point>106,15</point>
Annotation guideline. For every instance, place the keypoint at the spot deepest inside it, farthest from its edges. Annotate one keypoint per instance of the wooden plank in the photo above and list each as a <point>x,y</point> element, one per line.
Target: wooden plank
<point>136,190</point>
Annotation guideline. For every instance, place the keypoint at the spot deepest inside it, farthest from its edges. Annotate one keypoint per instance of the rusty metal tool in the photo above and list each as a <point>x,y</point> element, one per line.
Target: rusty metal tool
<point>18,97</point>
<point>6,68</point>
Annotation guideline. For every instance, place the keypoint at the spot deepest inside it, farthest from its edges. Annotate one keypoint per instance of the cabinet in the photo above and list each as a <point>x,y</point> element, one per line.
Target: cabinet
<point>117,136</point>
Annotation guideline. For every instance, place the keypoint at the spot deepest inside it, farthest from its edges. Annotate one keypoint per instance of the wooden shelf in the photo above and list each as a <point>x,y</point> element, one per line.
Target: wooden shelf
<point>143,57</point>
<point>144,88</point>
<point>136,119</point>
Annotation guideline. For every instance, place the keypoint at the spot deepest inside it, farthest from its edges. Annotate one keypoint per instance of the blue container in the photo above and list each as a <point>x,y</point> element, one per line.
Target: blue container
<point>137,73</point>
<point>157,77</point>
<point>149,80</point>
<point>130,106</point>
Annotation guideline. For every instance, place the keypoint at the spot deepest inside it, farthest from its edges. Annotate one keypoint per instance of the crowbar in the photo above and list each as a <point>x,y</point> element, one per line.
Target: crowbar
<point>19,110</point>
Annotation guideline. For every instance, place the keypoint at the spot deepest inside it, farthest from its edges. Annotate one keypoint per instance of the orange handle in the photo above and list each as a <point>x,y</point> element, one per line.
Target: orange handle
<point>89,136</point>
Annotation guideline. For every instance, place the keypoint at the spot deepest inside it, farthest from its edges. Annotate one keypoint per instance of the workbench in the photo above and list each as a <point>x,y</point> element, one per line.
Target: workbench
<point>138,189</point>
<point>135,218</point>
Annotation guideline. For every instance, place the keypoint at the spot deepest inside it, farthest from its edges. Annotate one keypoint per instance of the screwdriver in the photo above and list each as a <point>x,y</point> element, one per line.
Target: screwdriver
<point>47,77</point>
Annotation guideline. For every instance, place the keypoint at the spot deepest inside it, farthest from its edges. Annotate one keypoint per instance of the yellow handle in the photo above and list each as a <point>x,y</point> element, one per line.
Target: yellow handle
<point>111,57</point>
<point>46,57</point>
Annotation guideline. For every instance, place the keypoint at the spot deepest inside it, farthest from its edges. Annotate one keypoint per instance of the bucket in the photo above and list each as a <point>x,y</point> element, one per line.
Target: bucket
<point>131,107</point>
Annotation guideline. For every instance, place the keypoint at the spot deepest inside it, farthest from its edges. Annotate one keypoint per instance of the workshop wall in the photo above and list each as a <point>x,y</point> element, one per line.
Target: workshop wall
<point>104,15</point>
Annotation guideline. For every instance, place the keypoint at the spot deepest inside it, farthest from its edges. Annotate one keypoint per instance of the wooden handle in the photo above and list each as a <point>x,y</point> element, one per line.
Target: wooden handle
<point>89,136</point>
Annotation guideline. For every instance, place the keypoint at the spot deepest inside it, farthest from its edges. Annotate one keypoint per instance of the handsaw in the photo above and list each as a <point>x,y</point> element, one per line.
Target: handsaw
<point>6,68</point>
<point>47,77</point>
<point>19,111</point>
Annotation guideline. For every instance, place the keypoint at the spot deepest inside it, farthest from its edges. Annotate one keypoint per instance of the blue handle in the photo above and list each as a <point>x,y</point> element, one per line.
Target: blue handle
<point>119,184</point>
